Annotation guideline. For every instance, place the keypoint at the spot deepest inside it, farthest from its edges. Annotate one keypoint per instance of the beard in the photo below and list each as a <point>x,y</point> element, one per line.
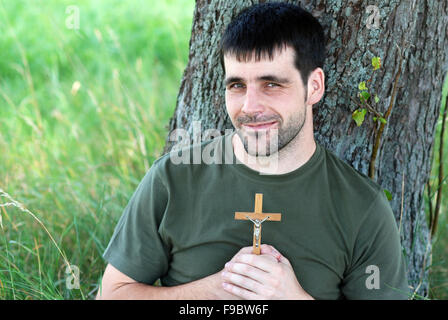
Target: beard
<point>267,142</point>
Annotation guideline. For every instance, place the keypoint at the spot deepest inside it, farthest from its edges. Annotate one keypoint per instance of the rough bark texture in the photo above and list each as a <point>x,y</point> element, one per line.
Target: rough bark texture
<point>419,28</point>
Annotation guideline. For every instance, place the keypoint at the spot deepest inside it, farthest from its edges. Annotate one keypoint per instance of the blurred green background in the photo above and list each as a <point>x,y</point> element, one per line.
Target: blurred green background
<point>82,117</point>
<point>83,114</point>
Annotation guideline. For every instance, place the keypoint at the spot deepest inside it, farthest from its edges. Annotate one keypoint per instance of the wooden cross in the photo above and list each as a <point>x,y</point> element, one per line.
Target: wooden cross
<point>258,217</point>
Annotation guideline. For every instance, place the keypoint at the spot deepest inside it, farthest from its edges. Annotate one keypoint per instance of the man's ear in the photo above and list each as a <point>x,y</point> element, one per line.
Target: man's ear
<point>315,86</point>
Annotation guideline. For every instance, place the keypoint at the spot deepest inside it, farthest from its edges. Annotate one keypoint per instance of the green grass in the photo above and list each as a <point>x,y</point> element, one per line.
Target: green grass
<point>439,265</point>
<point>73,157</point>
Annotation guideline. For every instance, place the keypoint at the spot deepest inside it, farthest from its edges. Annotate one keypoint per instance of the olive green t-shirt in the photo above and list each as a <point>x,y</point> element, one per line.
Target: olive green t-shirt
<point>337,228</point>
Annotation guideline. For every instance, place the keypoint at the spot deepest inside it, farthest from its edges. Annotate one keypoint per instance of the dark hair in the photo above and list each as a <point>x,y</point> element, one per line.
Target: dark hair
<point>263,28</point>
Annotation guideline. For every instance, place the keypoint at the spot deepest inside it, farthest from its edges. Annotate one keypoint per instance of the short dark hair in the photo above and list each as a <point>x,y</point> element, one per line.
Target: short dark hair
<point>263,28</point>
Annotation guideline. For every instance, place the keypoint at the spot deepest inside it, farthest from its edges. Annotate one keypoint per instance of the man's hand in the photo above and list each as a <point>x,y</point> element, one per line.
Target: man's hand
<point>265,276</point>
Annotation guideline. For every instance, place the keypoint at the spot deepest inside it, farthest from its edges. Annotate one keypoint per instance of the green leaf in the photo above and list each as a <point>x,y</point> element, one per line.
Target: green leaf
<point>377,99</point>
<point>375,118</point>
<point>364,96</point>
<point>359,116</point>
<point>388,194</point>
<point>362,86</point>
<point>376,63</point>
<point>383,120</point>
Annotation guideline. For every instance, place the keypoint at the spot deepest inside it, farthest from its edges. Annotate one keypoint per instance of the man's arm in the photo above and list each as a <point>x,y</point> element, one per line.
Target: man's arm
<point>118,286</point>
<point>377,248</point>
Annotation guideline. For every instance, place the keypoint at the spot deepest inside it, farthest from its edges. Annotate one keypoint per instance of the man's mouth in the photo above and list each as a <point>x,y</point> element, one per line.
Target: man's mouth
<point>259,125</point>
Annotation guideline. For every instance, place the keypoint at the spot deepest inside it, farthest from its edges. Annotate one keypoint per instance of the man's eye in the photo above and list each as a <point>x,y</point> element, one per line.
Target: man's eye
<point>236,86</point>
<point>272,85</point>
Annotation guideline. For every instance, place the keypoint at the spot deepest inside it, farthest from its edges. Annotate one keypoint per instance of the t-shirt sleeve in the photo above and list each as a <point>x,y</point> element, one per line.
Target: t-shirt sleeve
<point>136,248</point>
<point>378,268</point>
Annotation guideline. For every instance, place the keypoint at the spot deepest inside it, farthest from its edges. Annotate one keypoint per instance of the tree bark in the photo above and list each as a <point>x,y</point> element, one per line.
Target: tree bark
<point>413,32</point>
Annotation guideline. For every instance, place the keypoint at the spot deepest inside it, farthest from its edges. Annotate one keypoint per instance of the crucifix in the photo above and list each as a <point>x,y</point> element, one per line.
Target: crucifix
<point>258,217</point>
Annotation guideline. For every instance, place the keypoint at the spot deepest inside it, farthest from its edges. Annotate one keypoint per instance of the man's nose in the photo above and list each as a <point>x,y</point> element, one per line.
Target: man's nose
<point>252,102</point>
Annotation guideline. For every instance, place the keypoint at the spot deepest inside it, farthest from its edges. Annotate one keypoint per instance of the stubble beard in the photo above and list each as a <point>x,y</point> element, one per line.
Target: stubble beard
<point>267,142</point>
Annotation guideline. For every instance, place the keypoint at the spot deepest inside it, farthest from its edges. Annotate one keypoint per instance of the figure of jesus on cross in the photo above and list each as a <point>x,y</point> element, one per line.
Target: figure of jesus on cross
<point>258,217</point>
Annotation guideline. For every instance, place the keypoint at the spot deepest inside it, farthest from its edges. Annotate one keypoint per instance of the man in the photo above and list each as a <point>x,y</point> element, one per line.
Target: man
<point>337,238</point>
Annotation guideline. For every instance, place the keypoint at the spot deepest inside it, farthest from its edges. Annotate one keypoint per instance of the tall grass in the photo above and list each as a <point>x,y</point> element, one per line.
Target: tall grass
<point>82,117</point>
<point>439,266</point>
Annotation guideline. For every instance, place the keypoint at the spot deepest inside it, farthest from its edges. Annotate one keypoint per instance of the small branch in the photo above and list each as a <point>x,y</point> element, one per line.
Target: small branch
<point>402,203</point>
<point>382,125</point>
<point>443,181</point>
<point>428,185</point>
<point>368,106</point>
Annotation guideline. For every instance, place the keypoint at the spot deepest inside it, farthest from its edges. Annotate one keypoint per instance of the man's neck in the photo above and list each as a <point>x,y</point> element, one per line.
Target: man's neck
<point>291,157</point>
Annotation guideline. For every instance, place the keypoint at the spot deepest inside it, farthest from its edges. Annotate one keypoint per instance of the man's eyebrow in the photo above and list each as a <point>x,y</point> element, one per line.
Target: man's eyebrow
<point>261,78</point>
<point>273,79</point>
<point>232,80</point>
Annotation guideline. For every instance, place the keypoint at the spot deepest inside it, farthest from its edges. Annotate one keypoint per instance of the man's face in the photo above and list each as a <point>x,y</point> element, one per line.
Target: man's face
<point>265,97</point>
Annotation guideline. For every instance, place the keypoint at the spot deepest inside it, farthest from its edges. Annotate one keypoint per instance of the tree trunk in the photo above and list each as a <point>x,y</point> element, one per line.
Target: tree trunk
<point>415,28</point>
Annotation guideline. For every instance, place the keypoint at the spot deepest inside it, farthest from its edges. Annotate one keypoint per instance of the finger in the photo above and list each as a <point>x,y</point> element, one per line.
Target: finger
<point>247,249</point>
<point>241,282</point>
<point>242,250</point>
<point>262,262</point>
<point>240,292</point>
<point>264,249</point>
<point>284,260</point>
<point>280,258</point>
<point>268,249</point>
<point>247,271</point>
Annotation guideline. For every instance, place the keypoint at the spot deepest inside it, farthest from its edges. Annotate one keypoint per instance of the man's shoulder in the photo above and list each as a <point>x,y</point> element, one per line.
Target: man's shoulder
<point>191,157</point>
<point>356,199</point>
<point>353,193</point>
<point>344,175</point>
